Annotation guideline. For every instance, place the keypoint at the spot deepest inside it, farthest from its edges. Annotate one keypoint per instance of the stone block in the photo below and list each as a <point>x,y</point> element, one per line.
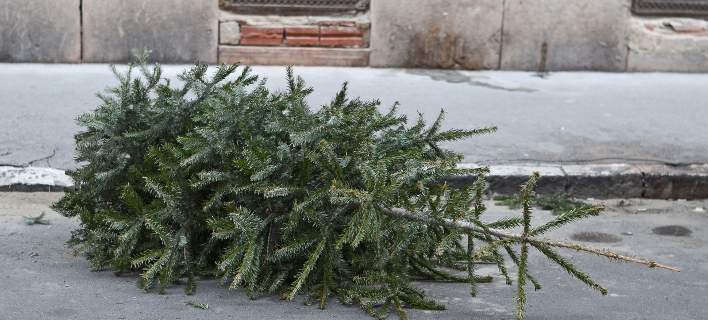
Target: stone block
<point>252,55</point>
<point>40,31</point>
<point>176,31</point>
<point>229,32</point>
<point>436,33</point>
<point>668,45</point>
<point>579,35</point>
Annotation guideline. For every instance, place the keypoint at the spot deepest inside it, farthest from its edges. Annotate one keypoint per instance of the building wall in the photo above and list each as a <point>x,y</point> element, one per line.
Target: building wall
<point>533,35</point>
<point>335,40</point>
<point>565,35</point>
<point>174,30</point>
<point>436,33</point>
<point>40,31</point>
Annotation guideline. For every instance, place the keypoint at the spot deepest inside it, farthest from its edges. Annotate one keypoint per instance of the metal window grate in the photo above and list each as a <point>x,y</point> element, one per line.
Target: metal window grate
<point>670,7</point>
<point>300,4</point>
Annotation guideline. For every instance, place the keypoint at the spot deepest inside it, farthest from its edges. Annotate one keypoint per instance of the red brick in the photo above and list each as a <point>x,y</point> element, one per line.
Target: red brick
<point>342,41</point>
<point>298,41</point>
<point>338,31</point>
<point>253,35</point>
<point>302,31</point>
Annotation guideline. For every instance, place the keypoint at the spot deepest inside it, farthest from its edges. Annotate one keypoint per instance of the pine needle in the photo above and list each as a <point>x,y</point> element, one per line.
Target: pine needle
<point>36,220</point>
<point>196,304</point>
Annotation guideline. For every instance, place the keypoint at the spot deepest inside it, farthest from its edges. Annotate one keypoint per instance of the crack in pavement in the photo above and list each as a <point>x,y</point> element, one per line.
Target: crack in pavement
<point>46,158</point>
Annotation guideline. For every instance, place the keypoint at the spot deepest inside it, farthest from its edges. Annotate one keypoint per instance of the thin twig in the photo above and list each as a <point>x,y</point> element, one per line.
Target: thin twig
<point>467,226</point>
<point>605,253</point>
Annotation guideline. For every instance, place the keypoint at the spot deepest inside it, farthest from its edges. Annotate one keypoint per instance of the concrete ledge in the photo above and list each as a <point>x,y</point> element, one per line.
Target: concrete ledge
<point>583,181</point>
<point>33,188</point>
<point>655,181</point>
<point>31,179</point>
<point>253,55</point>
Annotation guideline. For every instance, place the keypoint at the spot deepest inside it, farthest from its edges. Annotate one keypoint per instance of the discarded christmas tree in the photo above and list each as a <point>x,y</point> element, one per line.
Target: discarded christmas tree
<point>221,177</point>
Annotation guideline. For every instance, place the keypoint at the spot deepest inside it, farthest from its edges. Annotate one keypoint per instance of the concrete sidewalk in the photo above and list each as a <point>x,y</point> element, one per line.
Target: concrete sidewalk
<point>42,279</point>
<point>589,134</point>
<point>566,117</point>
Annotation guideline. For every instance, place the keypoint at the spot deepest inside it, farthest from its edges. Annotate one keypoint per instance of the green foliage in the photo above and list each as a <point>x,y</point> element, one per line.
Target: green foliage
<point>36,220</point>
<point>219,176</point>
<point>198,305</point>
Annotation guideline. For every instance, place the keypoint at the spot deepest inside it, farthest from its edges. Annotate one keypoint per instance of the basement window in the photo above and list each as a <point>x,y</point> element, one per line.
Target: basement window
<point>676,8</point>
<point>294,6</point>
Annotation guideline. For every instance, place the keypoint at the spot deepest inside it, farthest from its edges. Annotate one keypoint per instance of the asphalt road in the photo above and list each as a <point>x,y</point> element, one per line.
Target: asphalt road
<point>585,117</point>
<point>42,279</point>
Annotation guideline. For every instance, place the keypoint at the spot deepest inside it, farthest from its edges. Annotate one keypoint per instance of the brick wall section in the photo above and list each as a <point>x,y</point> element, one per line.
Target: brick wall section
<point>332,43</point>
<point>341,36</point>
<point>332,34</point>
<point>302,36</point>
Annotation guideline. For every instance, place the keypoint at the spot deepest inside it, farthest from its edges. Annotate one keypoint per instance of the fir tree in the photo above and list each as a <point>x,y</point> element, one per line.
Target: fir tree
<point>221,177</point>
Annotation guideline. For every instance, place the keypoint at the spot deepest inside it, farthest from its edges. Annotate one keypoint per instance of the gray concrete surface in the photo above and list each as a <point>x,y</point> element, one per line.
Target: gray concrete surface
<point>580,35</point>
<point>566,117</point>
<point>40,31</point>
<point>42,279</point>
<point>174,30</point>
<point>436,34</point>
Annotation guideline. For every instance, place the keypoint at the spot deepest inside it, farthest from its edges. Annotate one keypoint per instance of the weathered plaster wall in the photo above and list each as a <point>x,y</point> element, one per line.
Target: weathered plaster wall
<point>668,44</point>
<point>176,31</point>
<point>436,33</point>
<point>40,31</point>
<point>579,34</point>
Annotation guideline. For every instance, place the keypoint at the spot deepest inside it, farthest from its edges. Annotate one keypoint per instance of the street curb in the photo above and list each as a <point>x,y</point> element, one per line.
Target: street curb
<point>615,180</point>
<point>33,179</point>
